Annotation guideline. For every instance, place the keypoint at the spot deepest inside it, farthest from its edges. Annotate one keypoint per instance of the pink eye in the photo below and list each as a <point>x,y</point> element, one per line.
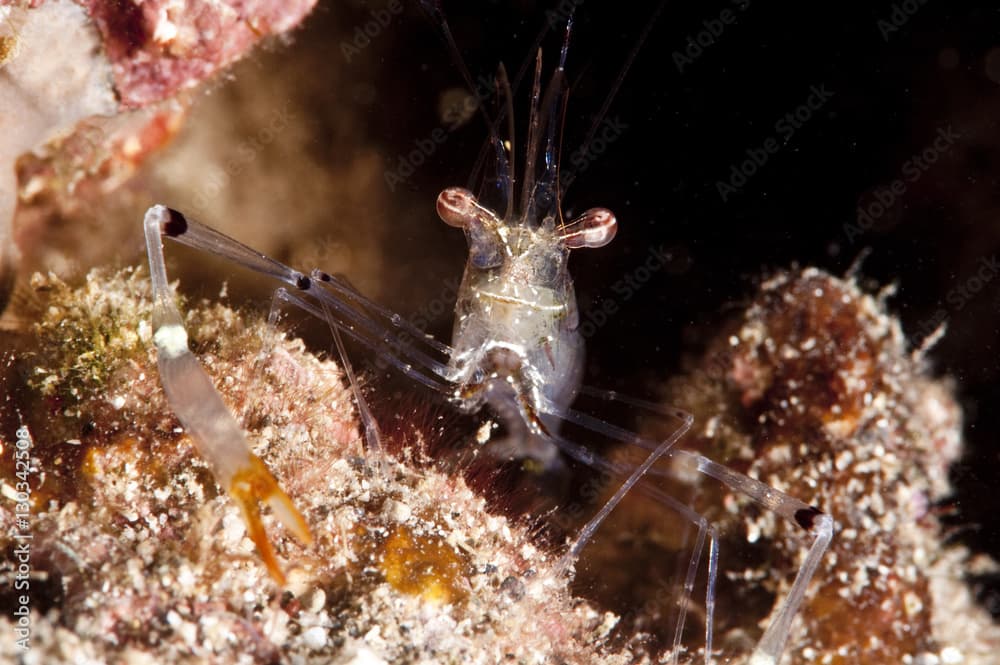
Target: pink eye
<point>594,228</point>
<point>456,206</point>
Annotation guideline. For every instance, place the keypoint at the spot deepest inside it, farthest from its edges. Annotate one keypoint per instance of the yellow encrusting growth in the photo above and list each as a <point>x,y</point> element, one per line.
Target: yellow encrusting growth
<point>424,565</point>
<point>7,45</point>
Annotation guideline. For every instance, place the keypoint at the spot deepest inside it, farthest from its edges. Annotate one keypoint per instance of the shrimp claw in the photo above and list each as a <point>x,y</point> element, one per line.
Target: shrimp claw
<point>217,436</point>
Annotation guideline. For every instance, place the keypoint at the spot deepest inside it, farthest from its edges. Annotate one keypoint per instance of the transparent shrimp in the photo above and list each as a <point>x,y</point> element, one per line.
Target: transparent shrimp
<point>516,348</point>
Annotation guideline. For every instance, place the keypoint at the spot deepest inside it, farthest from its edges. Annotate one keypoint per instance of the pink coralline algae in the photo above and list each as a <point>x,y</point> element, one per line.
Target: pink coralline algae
<point>160,47</point>
<point>72,72</point>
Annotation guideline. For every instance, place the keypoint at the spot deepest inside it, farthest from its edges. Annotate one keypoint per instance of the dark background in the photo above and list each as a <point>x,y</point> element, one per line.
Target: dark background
<point>895,87</point>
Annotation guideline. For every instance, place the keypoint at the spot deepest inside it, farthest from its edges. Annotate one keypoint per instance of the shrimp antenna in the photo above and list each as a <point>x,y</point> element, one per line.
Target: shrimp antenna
<point>503,86</point>
<point>507,111</point>
<point>539,194</point>
<point>436,13</point>
<point>505,172</point>
<point>528,185</point>
<point>553,146</point>
<point>616,86</point>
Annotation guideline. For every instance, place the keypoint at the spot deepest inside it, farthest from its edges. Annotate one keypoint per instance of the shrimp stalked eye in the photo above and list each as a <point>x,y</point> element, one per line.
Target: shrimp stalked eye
<point>594,228</point>
<point>457,206</point>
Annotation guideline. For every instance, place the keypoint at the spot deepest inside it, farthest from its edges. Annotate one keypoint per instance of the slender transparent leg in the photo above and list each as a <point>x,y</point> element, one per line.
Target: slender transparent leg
<point>357,316</point>
<point>267,344</point>
<point>582,455</point>
<point>373,437</point>
<point>281,298</point>
<point>339,283</point>
<point>385,346</point>
<point>705,530</point>
<point>215,432</point>
<point>809,518</point>
<point>387,353</point>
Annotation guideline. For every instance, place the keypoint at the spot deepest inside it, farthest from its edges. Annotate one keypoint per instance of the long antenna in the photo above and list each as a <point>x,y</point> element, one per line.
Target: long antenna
<point>436,13</point>
<point>528,183</point>
<point>504,89</point>
<point>504,163</point>
<point>616,86</point>
<point>557,122</point>
<point>508,110</point>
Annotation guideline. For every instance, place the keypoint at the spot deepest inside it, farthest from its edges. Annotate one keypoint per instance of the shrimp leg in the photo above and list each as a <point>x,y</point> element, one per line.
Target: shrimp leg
<point>808,518</point>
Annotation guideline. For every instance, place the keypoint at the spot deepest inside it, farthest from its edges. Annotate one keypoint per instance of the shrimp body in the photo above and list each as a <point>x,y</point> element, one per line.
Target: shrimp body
<point>516,344</point>
<point>516,340</point>
<point>525,307</point>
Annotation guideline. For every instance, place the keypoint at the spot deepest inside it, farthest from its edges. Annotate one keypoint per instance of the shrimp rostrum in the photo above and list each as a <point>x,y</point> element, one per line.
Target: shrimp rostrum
<point>516,349</point>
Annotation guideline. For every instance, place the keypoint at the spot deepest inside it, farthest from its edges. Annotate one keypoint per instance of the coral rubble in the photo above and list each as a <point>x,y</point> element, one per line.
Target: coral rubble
<point>73,72</point>
<point>817,392</point>
<point>137,555</point>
